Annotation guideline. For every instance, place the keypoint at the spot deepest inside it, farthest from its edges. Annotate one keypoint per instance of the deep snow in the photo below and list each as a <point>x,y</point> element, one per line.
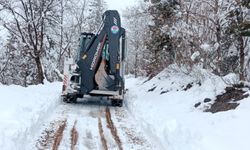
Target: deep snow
<point>173,119</point>
<point>22,111</point>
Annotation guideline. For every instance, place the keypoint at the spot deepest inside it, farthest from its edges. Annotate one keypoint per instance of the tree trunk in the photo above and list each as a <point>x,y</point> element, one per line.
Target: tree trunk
<point>40,74</point>
<point>242,58</point>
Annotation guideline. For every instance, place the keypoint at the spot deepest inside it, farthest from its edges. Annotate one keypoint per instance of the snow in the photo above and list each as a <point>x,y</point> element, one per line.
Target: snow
<point>205,47</point>
<point>172,118</point>
<point>3,35</point>
<point>195,55</point>
<point>231,78</point>
<point>22,110</point>
<point>160,107</point>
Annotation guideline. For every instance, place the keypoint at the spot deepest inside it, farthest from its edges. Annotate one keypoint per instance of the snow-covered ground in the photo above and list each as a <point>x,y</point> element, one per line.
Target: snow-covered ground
<point>22,111</point>
<point>158,114</point>
<point>34,118</point>
<point>171,117</point>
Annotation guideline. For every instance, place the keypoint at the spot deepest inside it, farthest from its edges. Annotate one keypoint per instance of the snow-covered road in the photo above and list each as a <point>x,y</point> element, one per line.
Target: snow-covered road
<point>158,114</point>
<point>91,125</point>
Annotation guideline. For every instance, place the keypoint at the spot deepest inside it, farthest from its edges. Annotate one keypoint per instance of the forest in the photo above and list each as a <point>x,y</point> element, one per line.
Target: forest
<point>37,35</point>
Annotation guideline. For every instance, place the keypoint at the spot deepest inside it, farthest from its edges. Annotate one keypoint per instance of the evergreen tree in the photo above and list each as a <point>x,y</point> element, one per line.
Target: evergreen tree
<point>160,42</point>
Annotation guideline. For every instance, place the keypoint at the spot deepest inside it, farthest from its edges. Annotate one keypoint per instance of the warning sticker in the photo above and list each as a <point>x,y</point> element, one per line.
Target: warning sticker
<point>114,29</point>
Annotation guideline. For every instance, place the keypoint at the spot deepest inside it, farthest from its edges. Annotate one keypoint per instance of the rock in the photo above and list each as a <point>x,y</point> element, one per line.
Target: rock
<point>163,92</point>
<point>206,100</point>
<point>197,104</point>
<point>152,89</point>
<point>188,86</point>
<point>229,89</point>
<point>240,85</point>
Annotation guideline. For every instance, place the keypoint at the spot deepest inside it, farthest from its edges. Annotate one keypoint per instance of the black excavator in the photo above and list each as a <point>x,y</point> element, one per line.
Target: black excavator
<point>98,69</point>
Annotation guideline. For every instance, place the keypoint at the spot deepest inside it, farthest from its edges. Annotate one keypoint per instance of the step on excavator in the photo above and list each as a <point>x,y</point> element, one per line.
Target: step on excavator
<point>98,69</point>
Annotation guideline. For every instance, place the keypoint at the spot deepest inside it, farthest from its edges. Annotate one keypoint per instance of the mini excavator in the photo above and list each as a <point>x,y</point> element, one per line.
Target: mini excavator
<point>98,69</point>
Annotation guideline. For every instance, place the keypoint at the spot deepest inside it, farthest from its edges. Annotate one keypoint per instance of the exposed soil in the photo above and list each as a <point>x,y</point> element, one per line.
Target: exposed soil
<point>113,129</point>
<point>227,100</point>
<point>59,135</point>
<point>74,136</point>
<point>103,140</point>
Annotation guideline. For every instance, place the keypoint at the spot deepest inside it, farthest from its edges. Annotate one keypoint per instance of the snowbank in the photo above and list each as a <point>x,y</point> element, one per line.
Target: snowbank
<point>22,111</point>
<point>165,107</point>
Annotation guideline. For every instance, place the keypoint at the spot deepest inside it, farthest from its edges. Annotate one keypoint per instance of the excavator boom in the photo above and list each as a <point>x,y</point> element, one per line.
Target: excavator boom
<point>99,67</point>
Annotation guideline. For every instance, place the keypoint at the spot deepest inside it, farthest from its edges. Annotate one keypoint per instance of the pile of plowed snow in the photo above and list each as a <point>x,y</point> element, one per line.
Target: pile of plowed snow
<point>165,107</point>
<point>22,111</point>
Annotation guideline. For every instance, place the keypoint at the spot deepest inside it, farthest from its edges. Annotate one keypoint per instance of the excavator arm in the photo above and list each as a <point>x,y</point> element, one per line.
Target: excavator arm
<point>98,69</point>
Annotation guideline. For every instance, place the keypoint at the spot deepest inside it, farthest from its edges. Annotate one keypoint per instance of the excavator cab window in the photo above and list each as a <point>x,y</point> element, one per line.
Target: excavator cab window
<point>105,52</point>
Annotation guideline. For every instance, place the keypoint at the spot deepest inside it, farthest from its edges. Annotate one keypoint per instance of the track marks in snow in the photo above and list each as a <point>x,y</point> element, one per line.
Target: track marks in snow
<point>133,135</point>
<point>103,139</point>
<point>74,136</point>
<point>45,139</point>
<point>92,127</point>
<point>48,135</point>
<point>59,135</point>
<point>113,129</point>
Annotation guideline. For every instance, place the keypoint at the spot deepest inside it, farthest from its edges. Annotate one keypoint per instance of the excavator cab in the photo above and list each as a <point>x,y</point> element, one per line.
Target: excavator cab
<point>98,69</point>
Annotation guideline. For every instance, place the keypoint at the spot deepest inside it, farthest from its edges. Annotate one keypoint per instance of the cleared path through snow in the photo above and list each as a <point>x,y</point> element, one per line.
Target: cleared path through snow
<point>91,125</point>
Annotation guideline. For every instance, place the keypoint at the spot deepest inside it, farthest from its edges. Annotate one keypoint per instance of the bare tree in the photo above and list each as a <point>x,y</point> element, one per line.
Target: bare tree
<point>135,19</point>
<point>28,24</point>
